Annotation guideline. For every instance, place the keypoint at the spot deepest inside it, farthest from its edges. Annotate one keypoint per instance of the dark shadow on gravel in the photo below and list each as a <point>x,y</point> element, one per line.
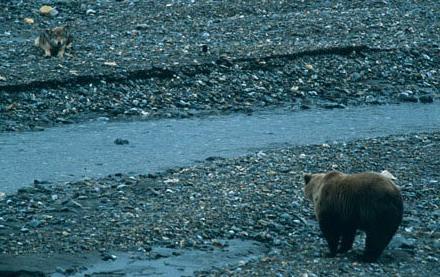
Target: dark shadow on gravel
<point>250,63</point>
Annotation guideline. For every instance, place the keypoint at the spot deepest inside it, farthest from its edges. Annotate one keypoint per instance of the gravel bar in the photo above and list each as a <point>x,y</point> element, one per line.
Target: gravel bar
<point>256,197</point>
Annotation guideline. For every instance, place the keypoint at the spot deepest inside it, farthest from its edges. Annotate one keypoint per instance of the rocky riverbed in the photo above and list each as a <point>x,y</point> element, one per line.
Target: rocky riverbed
<point>187,58</point>
<point>255,197</point>
<point>143,60</point>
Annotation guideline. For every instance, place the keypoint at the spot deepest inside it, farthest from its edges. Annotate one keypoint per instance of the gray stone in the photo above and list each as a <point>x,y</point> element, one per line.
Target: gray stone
<point>406,97</point>
<point>399,241</point>
<point>120,141</point>
<point>426,99</point>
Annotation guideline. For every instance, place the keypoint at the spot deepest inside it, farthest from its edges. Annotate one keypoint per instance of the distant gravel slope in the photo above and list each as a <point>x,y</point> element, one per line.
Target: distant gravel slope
<point>141,34</point>
<point>254,197</point>
<point>146,59</point>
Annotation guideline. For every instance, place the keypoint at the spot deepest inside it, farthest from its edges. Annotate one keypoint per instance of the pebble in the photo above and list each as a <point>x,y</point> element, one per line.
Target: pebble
<point>76,204</point>
<point>28,20</point>
<point>407,97</point>
<point>370,99</point>
<point>54,12</point>
<point>426,99</point>
<point>286,217</point>
<point>45,10</point>
<point>355,77</point>
<point>108,257</point>
<point>90,12</point>
<point>35,223</point>
<point>332,105</point>
<point>142,26</point>
<point>399,241</point>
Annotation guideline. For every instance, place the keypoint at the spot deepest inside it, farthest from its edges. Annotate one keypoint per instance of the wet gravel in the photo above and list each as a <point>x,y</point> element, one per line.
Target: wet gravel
<point>187,58</point>
<point>257,197</point>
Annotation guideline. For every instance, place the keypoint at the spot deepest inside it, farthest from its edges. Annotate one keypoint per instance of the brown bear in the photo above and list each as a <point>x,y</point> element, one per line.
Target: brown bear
<point>344,203</point>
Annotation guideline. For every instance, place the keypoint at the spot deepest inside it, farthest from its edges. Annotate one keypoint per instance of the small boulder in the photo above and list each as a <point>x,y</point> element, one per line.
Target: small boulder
<point>426,99</point>
<point>120,141</point>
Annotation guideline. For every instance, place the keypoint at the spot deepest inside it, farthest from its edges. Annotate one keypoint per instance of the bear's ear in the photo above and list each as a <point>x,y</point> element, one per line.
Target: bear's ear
<point>307,178</point>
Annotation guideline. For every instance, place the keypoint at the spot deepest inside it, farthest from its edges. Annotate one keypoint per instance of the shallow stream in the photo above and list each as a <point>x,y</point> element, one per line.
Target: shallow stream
<point>88,150</point>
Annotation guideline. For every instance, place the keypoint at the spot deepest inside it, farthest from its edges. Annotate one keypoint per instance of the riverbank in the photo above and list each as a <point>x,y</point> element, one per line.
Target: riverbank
<point>257,197</point>
<point>185,59</point>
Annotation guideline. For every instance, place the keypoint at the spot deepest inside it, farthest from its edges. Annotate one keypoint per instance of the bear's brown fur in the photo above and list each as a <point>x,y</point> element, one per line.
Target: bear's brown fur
<point>344,203</point>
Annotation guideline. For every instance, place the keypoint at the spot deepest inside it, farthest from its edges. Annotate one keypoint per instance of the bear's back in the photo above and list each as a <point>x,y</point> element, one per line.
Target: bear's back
<point>368,198</point>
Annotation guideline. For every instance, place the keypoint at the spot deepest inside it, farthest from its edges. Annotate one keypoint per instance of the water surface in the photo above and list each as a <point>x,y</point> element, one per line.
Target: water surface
<point>88,150</point>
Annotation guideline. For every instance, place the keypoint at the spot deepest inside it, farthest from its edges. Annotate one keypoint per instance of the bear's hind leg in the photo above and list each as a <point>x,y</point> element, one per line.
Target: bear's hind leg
<point>375,243</point>
<point>331,234</point>
<point>348,236</point>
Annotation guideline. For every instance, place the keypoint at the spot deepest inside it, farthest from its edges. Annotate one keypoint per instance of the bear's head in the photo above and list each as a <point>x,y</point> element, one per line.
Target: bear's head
<point>313,183</point>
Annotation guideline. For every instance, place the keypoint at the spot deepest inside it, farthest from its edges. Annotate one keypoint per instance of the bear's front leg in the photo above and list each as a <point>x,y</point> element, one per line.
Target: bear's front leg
<point>331,234</point>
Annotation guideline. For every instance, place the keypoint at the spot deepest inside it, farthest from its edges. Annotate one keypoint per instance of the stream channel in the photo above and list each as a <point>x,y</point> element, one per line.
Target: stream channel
<point>88,150</point>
